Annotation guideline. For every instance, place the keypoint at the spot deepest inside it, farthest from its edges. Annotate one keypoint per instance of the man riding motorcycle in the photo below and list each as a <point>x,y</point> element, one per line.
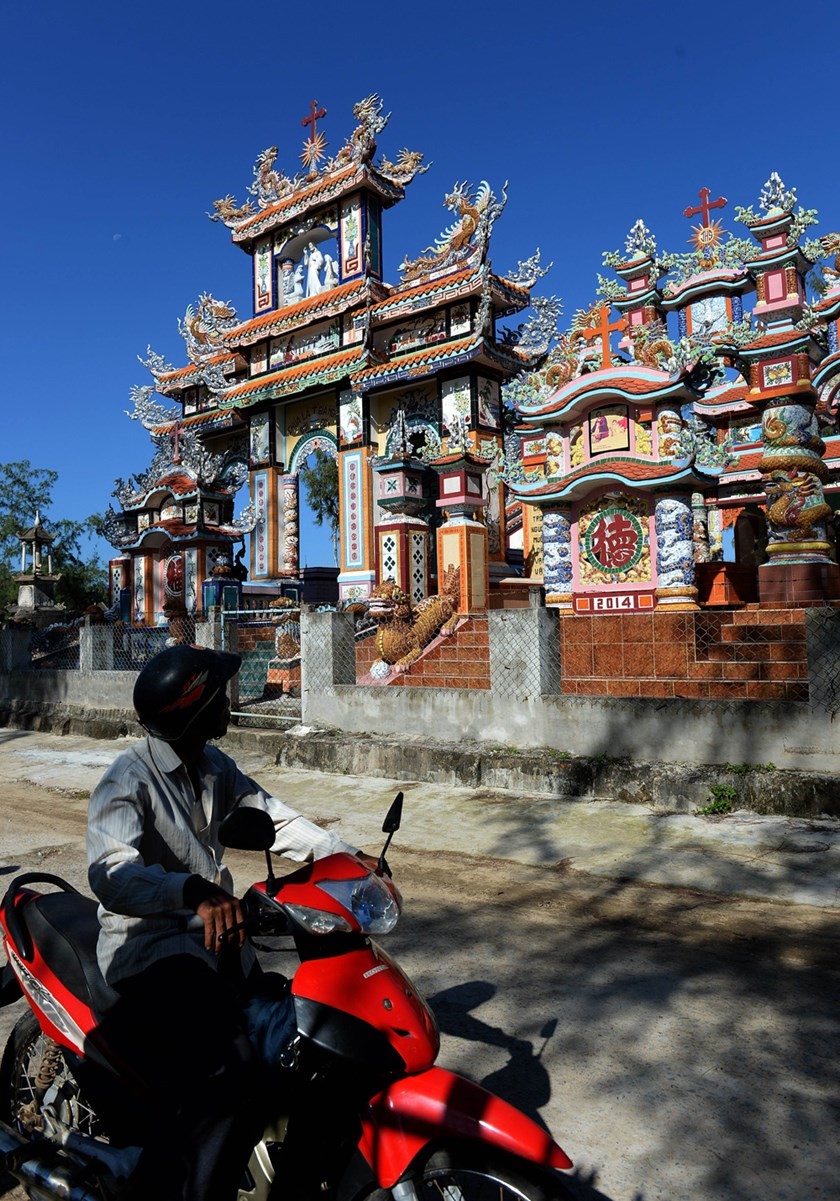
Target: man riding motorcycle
<point>171,942</point>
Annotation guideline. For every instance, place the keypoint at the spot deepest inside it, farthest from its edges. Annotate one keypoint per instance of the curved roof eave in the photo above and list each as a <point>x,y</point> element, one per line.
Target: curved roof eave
<point>583,485</point>
<point>605,384</point>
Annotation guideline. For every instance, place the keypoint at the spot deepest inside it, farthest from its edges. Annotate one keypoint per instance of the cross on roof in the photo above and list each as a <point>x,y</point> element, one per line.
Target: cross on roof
<point>315,114</point>
<point>704,206</point>
<point>603,330</point>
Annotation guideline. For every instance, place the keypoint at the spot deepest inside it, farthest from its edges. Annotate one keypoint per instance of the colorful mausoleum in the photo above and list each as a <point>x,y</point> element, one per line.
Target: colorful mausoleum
<point>676,447</point>
<point>401,384</point>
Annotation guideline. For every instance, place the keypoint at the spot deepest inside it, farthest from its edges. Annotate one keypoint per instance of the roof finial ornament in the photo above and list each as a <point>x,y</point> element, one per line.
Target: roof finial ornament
<point>315,144</point>
<point>704,206</point>
<point>775,197</point>
<point>640,242</point>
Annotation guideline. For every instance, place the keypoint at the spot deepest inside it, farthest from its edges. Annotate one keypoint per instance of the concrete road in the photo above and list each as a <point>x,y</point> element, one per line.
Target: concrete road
<point>660,991</point>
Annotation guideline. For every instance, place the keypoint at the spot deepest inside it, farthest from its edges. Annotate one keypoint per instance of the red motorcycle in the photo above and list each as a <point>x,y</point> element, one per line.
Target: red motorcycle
<point>369,1113</point>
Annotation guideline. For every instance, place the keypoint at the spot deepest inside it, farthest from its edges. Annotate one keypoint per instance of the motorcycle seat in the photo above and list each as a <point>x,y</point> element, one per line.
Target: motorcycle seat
<point>65,927</point>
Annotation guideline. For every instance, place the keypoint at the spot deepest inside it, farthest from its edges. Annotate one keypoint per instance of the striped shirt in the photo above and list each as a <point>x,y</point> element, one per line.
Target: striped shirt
<point>148,833</point>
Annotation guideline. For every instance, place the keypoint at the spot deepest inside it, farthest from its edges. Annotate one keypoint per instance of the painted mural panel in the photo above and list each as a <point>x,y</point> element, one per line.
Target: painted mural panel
<point>460,322</point>
<point>456,404</point>
<point>709,315</point>
<point>609,429</point>
<point>263,284</point>
<point>139,589</point>
<point>190,579</point>
<point>489,402</point>
<point>172,576</point>
<point>351,237</point>
<point>350,416</point>
<point>259,358</point>
<point>614,541</point>
<point>260,439</point>
<point>304,344</point>
<point>422,330</point>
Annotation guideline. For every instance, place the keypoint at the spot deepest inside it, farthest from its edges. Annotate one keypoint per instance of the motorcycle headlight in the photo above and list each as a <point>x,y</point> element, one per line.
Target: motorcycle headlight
<point>374,904</point>
<point>317,921</point>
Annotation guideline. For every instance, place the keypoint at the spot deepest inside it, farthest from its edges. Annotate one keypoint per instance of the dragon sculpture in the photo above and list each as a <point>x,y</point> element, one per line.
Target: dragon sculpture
<point>466,237</point>
<point>203,329</point>
<point>794,502</point>
<point>409,164</point>
<point>405,630</point>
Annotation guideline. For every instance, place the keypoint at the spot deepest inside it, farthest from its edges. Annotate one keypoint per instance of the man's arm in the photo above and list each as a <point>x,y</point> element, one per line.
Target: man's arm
<point>297,837</point>
<point>117,874</point>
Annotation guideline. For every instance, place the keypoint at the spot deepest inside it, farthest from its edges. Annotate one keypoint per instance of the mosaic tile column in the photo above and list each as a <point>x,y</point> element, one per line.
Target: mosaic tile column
<point>675,553</point>
<point>557,557</point>
<point>794,473</point>
<point>291,531</point>
<point>700,528</point>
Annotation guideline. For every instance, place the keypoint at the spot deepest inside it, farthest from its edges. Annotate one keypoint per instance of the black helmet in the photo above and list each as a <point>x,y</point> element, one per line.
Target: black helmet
<point>177,685</point>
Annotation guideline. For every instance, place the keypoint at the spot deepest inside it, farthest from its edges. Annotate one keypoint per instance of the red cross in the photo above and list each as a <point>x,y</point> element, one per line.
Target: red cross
<point>705,205</point>
<point>176,457</point>
<point>315,114</point>
<point>603,330</point>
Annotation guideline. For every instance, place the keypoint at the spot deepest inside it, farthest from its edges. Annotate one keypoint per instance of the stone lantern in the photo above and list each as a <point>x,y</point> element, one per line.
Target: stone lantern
<point>36,604</point>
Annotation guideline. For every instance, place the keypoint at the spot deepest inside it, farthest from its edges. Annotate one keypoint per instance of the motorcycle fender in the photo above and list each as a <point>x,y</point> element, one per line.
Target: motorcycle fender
<point>438,1106</point>
<point>10,989</point>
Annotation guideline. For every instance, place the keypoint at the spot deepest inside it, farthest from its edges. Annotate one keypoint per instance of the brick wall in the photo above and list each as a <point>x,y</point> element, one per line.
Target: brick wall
<point>252,636</point>
<point>460,661</point>
<point>752,653</point>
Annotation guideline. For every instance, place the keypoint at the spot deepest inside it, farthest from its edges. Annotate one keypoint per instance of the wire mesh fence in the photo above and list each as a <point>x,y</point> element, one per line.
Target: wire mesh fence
<point>131,647</point>
<point>56,648</point>
<point>269,680</point>
<point>822,628</point>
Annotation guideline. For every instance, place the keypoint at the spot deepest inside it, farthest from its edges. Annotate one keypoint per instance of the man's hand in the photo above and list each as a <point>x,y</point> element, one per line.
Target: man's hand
<point>221,914</point>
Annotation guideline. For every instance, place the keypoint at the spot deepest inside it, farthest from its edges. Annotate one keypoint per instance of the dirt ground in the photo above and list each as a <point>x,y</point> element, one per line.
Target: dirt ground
<point>678,1043</point>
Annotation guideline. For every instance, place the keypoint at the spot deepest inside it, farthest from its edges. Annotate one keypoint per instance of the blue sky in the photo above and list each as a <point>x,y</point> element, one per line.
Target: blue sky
<point>124,122</point>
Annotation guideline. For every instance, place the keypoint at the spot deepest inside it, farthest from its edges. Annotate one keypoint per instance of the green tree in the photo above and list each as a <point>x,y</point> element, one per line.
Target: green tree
<point>25,489</point>
<point>320,478</point>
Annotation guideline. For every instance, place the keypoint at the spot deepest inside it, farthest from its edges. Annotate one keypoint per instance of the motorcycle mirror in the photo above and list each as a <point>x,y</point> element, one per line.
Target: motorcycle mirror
<point>393,817</point>
<point>247,829</point>
<point>390,826</point>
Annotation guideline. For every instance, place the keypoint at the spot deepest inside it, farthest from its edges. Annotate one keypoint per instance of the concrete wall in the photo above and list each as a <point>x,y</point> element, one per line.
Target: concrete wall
<point>523,709</point>
<point>517,712</point>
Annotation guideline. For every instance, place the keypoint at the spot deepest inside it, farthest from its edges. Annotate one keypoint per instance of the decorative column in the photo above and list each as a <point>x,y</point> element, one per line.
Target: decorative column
<point>462,540</point>
<point>700,528</point>
<point>355,493</point>
<point>532,540</point>
<point>290,564</point>
<point>557,558</point>
<point>267,535</point>
<point>799,567</point>
<point>402,539</point>
<point>676,588</point>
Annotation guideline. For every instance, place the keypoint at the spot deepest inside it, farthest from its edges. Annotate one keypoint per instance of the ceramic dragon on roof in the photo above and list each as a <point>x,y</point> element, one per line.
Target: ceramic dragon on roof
<point>271,185</point>
<point>464,240</point>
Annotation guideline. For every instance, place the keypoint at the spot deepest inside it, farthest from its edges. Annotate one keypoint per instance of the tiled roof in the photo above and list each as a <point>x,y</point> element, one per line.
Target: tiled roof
<point>629,470</point>
<point>326,188</point>
<point>181,530</point>
<point>333,366</point>
<point>828,302</point>
<point>445,283</point>
<point>781,338</point>
<point>208,418</point>
<point>420,361</point>
<point>177,482</point>
<point>304,310</point>
<point>296,198</point>
<point>182,373</point>
<point>644,382</point>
